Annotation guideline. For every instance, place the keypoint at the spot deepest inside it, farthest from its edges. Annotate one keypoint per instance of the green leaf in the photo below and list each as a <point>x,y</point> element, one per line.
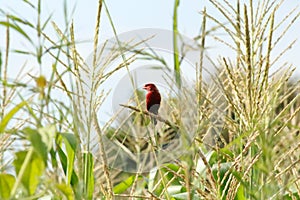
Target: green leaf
<point>6,183</point>
<point>17,19</point>
<point>33,171</point>
<point>220,169</point>
<point>36,141</point>
<point>217,157</point>
<point>22,52</point>
<point>66,190</point>
<point>71,139</point>
<point>48,134</point>
<point>64,163</point>
<point>10,115</point>
<point>41,139</point>
<point>63,159</point>
<point>89,174</point>
<point>291,196</point>
<point>70,146</point>
<point>173,167</point>
<point>291,193</point>
<point>46,22</point>
<point>29,3</point>
<point>54,160</point>
<point>39,54</point>
<point>17,28</point>
<point>124,185</point>
<point>240,193</point>
<point>220,172</point>
<point>169,175</point>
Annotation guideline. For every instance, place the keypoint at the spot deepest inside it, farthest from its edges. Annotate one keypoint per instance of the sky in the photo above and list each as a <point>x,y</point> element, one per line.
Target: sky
<point>127,15</point>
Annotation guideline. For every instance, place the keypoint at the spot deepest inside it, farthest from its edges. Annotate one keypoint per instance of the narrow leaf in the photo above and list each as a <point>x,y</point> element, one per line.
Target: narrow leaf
<point>10,115</point>
<point>6,183</point>
<point>70,145</point>
<point>17,28</point>
<point>89,175</point>
<point>124,185</point>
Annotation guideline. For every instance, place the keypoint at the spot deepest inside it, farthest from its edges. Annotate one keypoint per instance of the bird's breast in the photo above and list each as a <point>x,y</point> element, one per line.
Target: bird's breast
<point>153,98</point>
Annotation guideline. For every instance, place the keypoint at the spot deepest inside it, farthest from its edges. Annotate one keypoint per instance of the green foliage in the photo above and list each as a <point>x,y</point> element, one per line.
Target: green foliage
<point>6,184</point>
<point>41,140</point>
<point>66,190</point>
<point>124,185</point>
<point>17,28</point>
<point>89,175</point>
<point>30,167</point>
<point>67,159</point>
<point>70,145</point>
<point>177,69</point>
<point>169,178</point>
<point>10,115</point>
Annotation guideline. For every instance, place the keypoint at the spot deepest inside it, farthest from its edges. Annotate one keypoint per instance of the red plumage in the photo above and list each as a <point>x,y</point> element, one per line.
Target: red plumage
<point>153,99</point>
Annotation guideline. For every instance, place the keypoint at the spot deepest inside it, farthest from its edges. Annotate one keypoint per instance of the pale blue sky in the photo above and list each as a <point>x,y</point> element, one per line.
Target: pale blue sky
<point>129,15</point>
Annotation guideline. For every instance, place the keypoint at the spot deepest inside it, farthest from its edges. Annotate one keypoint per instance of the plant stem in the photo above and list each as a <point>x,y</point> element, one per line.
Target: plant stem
<point>175,46</point>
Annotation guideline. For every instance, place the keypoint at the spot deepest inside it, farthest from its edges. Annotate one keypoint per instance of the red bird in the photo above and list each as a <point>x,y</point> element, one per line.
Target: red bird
<point>152,99</point>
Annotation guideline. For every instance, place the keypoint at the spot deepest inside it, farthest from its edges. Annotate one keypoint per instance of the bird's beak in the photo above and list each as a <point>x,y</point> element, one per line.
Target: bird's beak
<point>145,88</point>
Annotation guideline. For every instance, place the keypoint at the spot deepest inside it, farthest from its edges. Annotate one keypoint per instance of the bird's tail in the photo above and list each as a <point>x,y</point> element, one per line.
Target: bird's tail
<point>154,109</point>
<point>154,120</point>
